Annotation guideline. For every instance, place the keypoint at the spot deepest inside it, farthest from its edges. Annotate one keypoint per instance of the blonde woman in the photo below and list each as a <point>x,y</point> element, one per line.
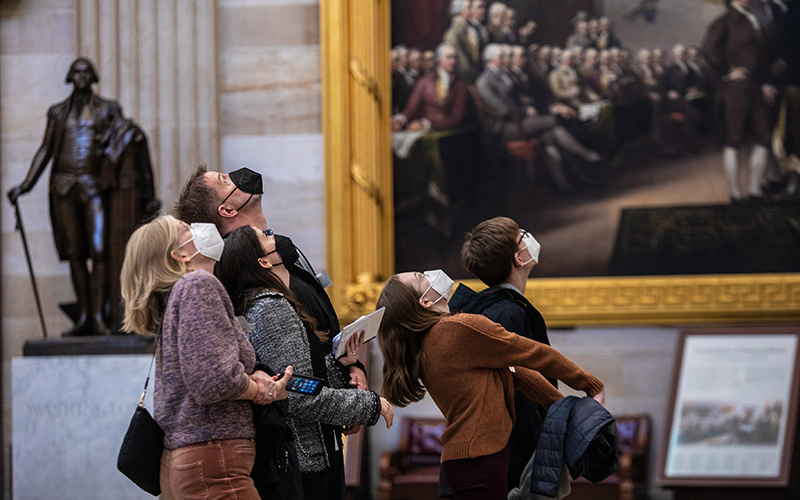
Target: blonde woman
<point>204,381</point>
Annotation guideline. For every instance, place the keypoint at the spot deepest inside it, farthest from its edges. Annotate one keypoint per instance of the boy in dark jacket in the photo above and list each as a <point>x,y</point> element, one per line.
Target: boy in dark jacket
<point>502,255</point>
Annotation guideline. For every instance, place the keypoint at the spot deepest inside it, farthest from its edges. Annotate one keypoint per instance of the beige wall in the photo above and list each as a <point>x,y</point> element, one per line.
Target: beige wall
<point>36,49</point>
<point>269,77</point>
<point>35,52</point>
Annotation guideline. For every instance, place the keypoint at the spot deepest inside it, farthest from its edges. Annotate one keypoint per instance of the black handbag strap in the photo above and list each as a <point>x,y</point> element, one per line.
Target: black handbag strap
<point>152,360</point>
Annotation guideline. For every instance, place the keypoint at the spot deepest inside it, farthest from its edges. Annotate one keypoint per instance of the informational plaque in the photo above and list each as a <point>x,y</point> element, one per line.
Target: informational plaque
<point>733,410</point>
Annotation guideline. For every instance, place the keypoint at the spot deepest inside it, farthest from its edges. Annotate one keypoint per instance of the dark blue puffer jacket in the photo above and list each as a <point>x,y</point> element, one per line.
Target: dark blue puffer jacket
<point>580,433</point>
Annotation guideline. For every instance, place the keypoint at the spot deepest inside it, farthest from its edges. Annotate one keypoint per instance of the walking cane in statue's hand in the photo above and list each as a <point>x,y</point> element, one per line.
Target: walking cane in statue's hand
<point>12,195</point>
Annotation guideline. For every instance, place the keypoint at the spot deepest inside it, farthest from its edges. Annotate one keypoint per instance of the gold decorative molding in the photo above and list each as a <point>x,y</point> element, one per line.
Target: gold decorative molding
<point>678,300</point>
<point>361,238</point>
<point>668,300</point>
<point>373,190</point>
<point>359,299</point>
<point>356,126</point>
<point>363,78</point>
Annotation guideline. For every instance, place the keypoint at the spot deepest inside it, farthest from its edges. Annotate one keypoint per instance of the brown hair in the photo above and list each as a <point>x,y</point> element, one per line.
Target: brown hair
<point>404,326</point>
<point>198,202</point>
<point>489,249</point>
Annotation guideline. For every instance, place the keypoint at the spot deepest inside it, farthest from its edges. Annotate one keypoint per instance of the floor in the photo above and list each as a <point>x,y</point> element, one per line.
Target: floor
<point>577,230</point>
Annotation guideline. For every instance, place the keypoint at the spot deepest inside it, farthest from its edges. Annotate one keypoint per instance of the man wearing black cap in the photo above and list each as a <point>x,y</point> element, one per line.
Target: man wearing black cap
<point>233,200</point>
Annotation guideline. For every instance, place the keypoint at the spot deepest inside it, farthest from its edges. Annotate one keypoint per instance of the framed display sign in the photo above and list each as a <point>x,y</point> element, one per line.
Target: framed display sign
<point>733,410</point>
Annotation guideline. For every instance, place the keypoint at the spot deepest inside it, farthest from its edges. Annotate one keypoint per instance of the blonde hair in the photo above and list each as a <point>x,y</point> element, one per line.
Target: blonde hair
<point>148,273</point>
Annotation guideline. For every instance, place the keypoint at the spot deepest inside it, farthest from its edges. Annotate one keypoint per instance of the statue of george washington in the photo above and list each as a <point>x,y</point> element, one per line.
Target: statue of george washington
<point>101,186</point>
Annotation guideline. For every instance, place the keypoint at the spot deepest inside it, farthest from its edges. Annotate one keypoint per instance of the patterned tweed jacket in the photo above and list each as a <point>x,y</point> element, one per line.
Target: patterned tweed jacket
<point>279,339</point>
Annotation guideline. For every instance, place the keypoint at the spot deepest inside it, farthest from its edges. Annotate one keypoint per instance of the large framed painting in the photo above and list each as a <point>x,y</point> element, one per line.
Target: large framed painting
<point>627,191</point>
<point>733,408</point>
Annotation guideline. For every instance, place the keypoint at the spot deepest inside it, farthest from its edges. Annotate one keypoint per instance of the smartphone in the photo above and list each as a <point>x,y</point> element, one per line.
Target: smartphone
<point>305,385</point>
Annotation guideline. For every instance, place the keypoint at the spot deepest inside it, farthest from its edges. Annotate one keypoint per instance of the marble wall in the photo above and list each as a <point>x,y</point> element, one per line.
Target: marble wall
<point>70,416</point>
<point>270,110</point>
<point>36,49</point>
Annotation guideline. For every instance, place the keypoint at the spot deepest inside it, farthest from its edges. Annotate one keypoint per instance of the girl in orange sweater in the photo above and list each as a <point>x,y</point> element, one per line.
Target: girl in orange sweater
<point>464,361</point>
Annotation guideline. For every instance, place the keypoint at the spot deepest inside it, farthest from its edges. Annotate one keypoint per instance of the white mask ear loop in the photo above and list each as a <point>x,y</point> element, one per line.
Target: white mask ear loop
<point>529,260</point>
<point>187,241</point>
<point>426,291</point>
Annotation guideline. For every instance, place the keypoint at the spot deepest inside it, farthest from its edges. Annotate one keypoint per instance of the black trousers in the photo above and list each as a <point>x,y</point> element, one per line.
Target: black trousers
<point>315,485</point>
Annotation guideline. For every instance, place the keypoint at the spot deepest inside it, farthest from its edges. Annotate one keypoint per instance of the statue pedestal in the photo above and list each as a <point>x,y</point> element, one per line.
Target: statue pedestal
<point>70,413</point>
<point>92,345</point>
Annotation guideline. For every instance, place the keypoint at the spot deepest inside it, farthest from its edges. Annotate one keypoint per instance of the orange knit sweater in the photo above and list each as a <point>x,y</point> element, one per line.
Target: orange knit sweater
<point>465,368</point>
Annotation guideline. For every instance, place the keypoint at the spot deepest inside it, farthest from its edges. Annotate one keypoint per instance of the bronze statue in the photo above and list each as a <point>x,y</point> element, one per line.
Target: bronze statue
<point>101,187</point>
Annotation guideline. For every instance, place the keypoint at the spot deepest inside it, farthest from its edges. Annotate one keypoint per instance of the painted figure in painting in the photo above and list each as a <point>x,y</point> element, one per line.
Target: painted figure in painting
<point>402,79</point>
<point>736,49</point>
<point>466,36</point>
<point>509,119</point>
<point>440,99</point>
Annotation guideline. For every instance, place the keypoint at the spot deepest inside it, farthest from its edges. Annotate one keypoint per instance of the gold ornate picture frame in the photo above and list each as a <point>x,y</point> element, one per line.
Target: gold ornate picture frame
<point>355,43</point>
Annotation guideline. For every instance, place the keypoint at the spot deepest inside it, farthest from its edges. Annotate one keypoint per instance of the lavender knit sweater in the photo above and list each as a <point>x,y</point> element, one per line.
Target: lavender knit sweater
<point>202,366</point>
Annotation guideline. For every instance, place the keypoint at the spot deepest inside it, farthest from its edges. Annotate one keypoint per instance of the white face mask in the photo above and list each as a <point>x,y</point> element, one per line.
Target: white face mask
<point>207,240</point>
<point>441,284</point>
<point>532,245</point>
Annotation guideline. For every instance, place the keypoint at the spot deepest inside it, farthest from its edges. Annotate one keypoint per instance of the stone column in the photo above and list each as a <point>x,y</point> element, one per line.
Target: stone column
<point>159,60</point>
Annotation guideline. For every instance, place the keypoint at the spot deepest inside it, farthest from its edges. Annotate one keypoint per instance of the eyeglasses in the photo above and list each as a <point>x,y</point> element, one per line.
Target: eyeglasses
<point>522,234</point>
<point>269,232</point>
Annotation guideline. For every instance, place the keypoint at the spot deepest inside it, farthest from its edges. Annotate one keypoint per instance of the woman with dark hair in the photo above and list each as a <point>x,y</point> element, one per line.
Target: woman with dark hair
<point>283,334</point>
<point>463,361</point>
